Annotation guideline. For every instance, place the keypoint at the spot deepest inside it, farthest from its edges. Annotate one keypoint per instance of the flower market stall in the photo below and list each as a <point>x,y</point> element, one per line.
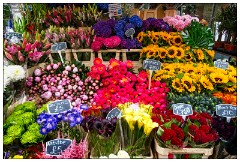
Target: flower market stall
<point>80,85</point>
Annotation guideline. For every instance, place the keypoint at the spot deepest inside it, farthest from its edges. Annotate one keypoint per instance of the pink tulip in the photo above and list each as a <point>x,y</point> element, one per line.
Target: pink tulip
<point>37,79</point>
<point>75,70</point>
<point>49,67</point>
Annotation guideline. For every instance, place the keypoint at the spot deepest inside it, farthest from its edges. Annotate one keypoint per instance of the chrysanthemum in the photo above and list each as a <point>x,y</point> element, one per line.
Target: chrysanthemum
<point>176,84</point>
<point>218,78</point>
<point>177,40</point>
<point>199,53</point>
<point>206,83</point>
<point>162,53</point>
<point>180,53</point>
<point>172,52</point>
<point>187,82</point>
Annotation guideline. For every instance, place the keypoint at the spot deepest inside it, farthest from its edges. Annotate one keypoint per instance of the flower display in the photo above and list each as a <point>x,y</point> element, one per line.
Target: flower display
<point>197,77</point>
<point>56,82</point>
<point>137,126</point>
<point>179,22</point>
<point>120,85</point>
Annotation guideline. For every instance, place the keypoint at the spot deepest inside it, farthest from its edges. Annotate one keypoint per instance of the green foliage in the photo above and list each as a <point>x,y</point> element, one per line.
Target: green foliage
<point>198,36</point>
<point>32,135</point>
<point>26,107</point>
<point>43,108</point>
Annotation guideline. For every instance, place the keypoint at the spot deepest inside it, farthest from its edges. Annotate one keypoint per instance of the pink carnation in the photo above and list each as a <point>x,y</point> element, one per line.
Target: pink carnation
<point>96,46</point>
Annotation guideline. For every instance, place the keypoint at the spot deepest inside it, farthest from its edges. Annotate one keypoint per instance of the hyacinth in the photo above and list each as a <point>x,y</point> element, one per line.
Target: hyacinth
<point>103,29</point>
<point>136,20</point>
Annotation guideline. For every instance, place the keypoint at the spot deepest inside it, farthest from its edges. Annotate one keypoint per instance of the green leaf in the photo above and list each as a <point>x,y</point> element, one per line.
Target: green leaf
<point>160,131</point>
<point>180,75</point>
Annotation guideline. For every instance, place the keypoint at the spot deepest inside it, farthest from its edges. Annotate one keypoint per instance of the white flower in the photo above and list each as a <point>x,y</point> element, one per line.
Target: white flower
<point>112,156</point>
<point>103,157</point>
<point>123,154</point>
<point>16,72</point>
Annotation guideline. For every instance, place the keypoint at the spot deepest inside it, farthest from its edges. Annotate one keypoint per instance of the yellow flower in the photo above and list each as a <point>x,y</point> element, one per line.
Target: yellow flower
<point>211,53</point>
<point>180,53</point>
<point>218,78</point>
<point>148,126</point>
<point>231,69</point>
<point>172,52</point>
<point>162,53</point>
<point>18,157</point>
<point>199,54</point>
<point>189,68</point>
<point>188,56</point>
<point>187,82</point>
<point>177,40</point>
<point>176,84</point>
<point>206,83</point>
<point>130,121</point>
<point>232,77</point>
<point>199,88</point>
<point>165,36</point>
<point>231,89</point>
<point>140,36</point>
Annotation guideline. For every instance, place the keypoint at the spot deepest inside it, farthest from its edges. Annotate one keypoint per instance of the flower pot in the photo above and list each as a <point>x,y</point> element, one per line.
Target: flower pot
<point>162,153</point>
<point>229,47</point>
<point>218,44</point>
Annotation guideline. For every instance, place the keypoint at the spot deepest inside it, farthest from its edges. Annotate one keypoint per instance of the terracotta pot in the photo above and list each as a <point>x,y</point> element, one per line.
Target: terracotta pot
<point>229,47</point>
<point>218,44</point>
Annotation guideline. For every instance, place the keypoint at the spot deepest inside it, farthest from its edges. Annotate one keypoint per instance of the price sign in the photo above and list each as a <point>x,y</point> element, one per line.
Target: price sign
<point>59,106</point>
<point>182,109</point>
<point>226,110</point>
<point>151,64</point>
<point>130,32</point>
<point>114,113</point>
<point>57,146</point>
<point>221,64</point>
<point>59,46</point>
<point>13,37</point>
<point>115,9</point>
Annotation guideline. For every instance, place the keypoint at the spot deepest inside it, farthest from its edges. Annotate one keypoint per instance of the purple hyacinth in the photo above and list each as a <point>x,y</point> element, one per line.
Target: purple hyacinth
<point>102,29</point>
<point>111,23</point>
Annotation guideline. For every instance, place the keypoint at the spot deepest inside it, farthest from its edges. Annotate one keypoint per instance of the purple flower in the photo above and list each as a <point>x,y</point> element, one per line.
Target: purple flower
<point>146,25</point>
<point>43,130</point>
<point>72,124</point>
<point>102,29</point>
<point>71,117</point>
<point>84,107</point>
<point>128,26</point>
<point>79,120</point>
<point>111,23</point>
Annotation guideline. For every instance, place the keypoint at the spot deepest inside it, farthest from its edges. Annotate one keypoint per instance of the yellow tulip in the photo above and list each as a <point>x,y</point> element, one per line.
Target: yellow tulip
<point>149,127</point>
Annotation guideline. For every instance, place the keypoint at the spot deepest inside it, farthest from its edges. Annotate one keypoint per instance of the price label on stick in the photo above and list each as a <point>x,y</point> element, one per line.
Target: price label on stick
<point>114,113</point>
<point>151,64</point>
<point>182,109</point>
<point>13,37</point>
<point>221,64</point>
<point>226,110</point>
<point>59,106</point>
<point>130,32</point>
<point>59,47</point>
<point>115,9</point>
<point>57,146</point>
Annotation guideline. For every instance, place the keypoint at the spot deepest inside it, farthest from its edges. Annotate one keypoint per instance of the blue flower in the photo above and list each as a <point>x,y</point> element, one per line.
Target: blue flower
<point>103,6</point>
<point>84,107</point>
<point>79,119</point>
<point>39,121</point>
<point>43,130</point>
<point>121,34</point>
<point>65,118</point>
<point>71,117</point>
<point>136,20</point>
<point>128,26</point>
<point>72,124</point>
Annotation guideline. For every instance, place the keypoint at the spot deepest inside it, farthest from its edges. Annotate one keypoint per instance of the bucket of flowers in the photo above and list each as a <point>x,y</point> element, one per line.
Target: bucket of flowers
<point>192,138</point>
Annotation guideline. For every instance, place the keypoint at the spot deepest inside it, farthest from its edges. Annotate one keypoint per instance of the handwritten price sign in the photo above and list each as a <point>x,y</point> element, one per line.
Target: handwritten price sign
<point>226,110</point>
<point>182,109</point>
<point>57,146</point>
<point>114,113</point>
<point>59,106</point>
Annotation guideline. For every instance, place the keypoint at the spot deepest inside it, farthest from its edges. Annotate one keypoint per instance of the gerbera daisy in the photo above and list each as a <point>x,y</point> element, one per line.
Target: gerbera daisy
<point>199,54</point>
<point>206,83</point>
<point>187,82</point>
<point>218,78</point>
<point>162,53</point>
<point>176,84</point>
<point>172,52</point>
<point>177,40</point>
<point>180,53</point>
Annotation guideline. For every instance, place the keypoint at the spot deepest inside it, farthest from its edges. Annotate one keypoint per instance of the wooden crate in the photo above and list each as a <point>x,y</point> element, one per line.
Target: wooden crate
<point>136,64</point>
<point>162,153</point>
<point>117,57</point>
<point>87,63</point>
<point>66,54</point>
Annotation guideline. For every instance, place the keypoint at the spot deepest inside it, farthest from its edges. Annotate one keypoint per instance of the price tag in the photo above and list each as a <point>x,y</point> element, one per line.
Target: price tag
<point>130,32</point>
<point>221,64</point>
<point>59,106</point>
<point>13,37</point>
<point>59,46</point>
<point>182,109</point>
<point>114,113</point>
<point>115,9</point>
<point>226,110</point>
<point>151,64</point>
<point>57,146</point>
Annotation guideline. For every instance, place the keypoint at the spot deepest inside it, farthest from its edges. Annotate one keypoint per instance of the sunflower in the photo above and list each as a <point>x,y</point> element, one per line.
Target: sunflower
<point>199,88</point>
<point>150,54</point>
<point>231,89</point>
<point>206,83</point>
<point>172,52</point>
<point>164,35</point>
<point>176,84</point>
<point>188,56</point>
<point>180,53</point>
<point>189,69</point>
<point>178,68</point>
<point>218,78</point>
<point>162,53</point>
<point>140,36</point>
<point>231,69</point>
<point>187,82</point>
<point>211,53</point>
<point>199,54</point>
<point>177,40</point>
<point>232,77</point>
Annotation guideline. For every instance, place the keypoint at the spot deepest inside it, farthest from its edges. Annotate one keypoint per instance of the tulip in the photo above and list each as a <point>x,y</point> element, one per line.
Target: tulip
<point>9,56</point>
<point>37,79</point>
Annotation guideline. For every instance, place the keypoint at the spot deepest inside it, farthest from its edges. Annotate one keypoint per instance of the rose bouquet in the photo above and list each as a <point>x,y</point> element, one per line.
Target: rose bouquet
<point>120,85</point>
<point>195,132</point>
<point>56,82</point>
<point>186,77</point>
<point>137,126</point>
<point>179,22</point>
<point>103,135</point>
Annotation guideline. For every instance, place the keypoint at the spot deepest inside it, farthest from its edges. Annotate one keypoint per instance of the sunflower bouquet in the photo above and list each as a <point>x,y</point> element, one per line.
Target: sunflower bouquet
<point>137,126</point>
<point>199,77</point>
